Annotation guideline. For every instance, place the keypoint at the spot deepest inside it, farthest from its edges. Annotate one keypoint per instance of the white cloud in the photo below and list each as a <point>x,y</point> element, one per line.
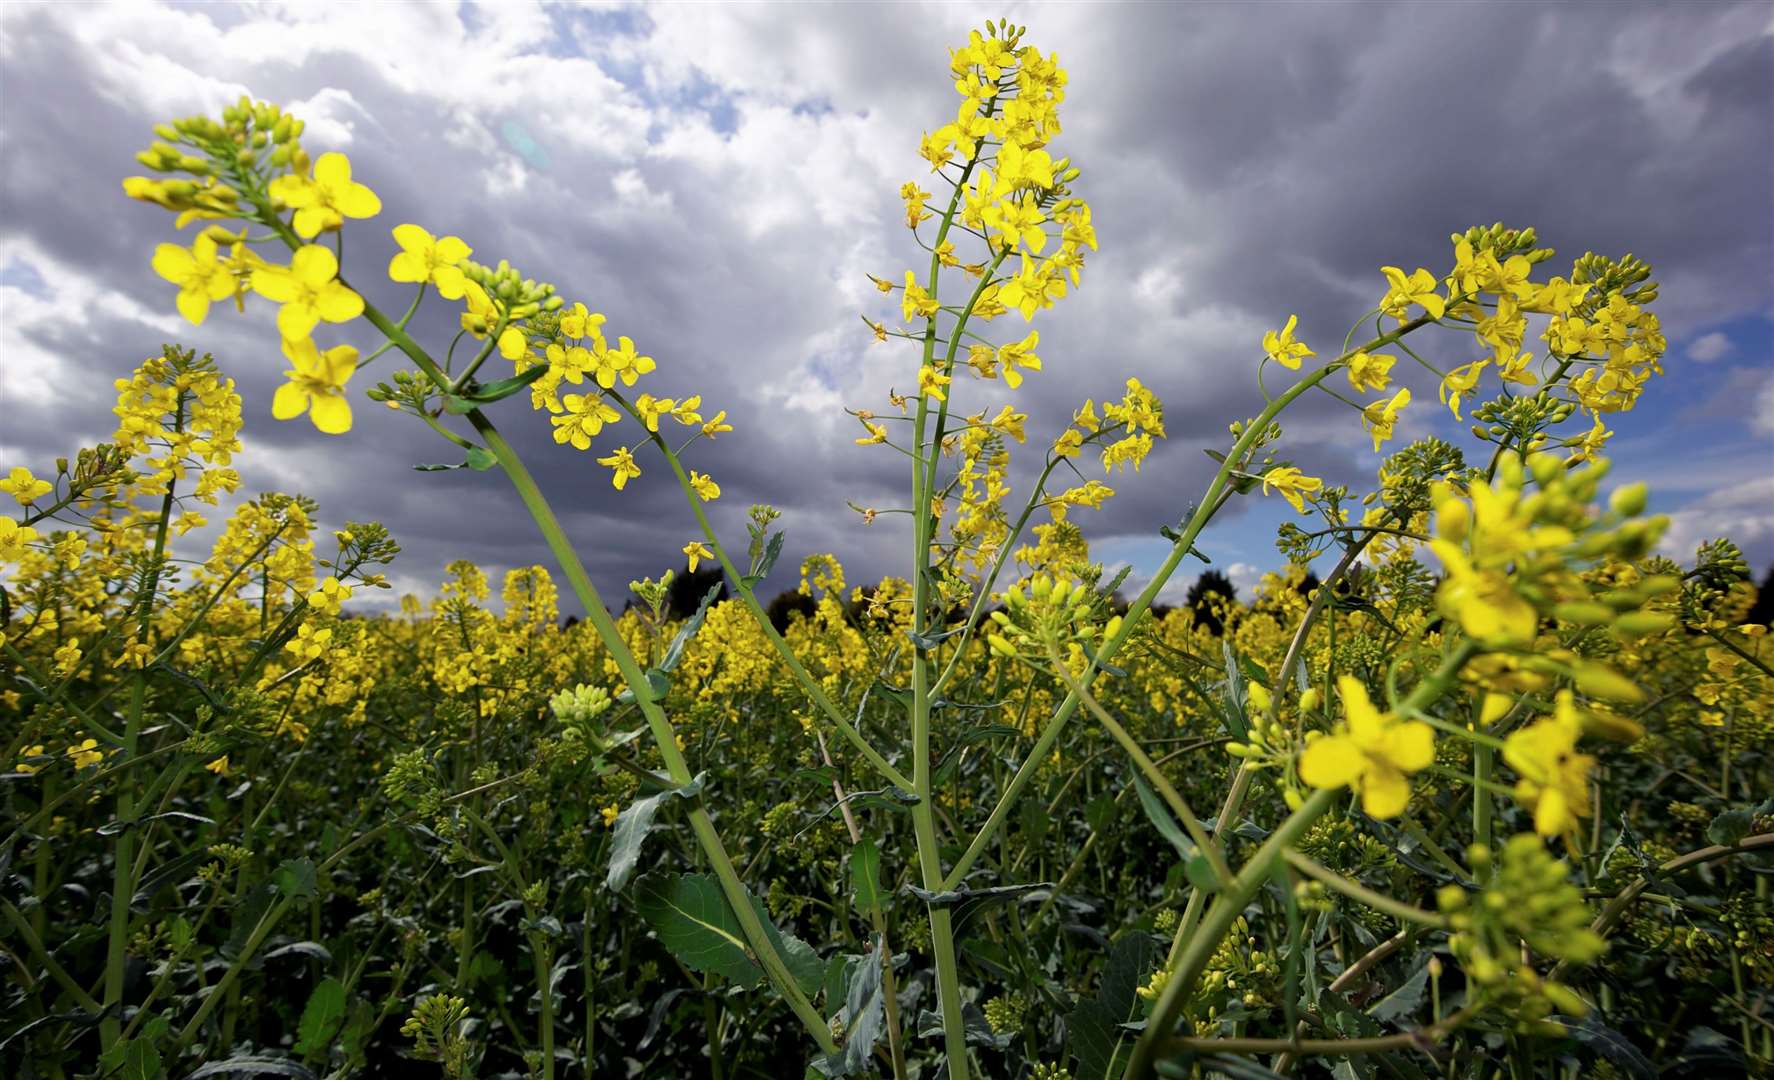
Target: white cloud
<point>1761,416</point>
<point>1743,512</point>
<point>1709,347</point>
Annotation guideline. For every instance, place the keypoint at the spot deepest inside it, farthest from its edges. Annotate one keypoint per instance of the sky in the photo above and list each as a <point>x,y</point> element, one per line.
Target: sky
<point>719,180</point>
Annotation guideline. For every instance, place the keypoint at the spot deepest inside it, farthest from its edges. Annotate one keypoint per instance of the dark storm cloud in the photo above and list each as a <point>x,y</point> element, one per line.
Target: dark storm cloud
<point>721,178</point>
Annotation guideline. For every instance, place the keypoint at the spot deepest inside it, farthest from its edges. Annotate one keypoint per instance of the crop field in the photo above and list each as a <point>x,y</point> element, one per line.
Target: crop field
<point>1475,784</point>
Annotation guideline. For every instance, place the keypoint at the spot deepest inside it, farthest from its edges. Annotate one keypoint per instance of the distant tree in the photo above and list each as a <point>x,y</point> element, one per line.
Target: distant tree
<point>1761,613</point>
<point>1307,584</point>
<point>1212,593</point>
<point>687,589</point>
<point>786,606</point>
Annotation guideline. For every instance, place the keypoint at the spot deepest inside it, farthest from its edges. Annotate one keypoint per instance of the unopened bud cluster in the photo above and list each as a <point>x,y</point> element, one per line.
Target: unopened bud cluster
<point>1052,614</point>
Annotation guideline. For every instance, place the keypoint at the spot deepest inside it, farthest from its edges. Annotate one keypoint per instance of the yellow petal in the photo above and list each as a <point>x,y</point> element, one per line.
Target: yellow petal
<point>511,344</point>
<point>275,284</point>
<point>1331,762</point>
<point>331,413</point>
<point>173,263</point>
<point>314,265</point>
<point>413,238</point>
<point>451,282</point>
<point>1364,720</point>
<point>193,305</point>
<point>451,249</point>
<point>1411,746</point>
<point>296,321</point>
<point>408,266</point>
<point>332,169</point>
<point>358,201</point>
<point>289,402</point>
<point>1385,793</point>
<point>340,364</point>
<point>336,303</point>
<point>1552,816</point>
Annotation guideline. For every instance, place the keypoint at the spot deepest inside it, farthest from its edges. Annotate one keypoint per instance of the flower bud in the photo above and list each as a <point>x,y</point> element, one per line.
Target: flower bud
<point>1601,681</point>
<point>1638,623</point>
<point>1629,501</point>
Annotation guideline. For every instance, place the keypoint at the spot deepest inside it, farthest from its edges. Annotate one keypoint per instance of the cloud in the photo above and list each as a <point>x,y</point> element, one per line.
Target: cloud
<point>1743,513</point>
<point>719,179</point>
<point>1709,347</point>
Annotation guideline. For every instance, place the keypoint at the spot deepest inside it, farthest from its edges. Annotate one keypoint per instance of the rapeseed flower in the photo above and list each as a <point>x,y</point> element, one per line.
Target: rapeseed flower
<point>316,385</point>
<point>1371,751</point>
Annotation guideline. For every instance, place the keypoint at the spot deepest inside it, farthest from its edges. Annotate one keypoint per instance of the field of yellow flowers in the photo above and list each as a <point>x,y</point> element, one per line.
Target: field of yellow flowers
<point>1476,787</point>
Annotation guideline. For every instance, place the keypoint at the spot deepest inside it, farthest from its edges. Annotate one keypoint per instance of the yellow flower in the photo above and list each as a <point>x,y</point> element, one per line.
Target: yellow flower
<point>914,197</point>
<point>1554,779</point>
<point>622,362</point>
<point>697,552</point>
<point>1372,751</point>
<point>25,487</point>
<point>651,409</point>
<point>1283,349</point>
<point>309,643</point>
<point>425,258</point>
<point>1019,357</point>
<point>1034,287</point>
<point>85,753</point>
<point>931,382</point>
<point>1292,484</point>
<point>716,425</point>
<point>622,461</point>
<point>706,490</point>
<point>1017,222</point>
<point>330,596</point>
<point>24,766</point>
<point>1371,371</point>
<point>586,415</point>
<point>219,766</point>
<point>1010,423</point>
<point>1382,416</point>
<point>1418,288</point>
<point>877,433</point>
<point>1069,444</point>
<point>684,412</point>
<point>916,303</point>
<point>583,323</point>
<point>199,274</point>
<point>309,290</point>
<point>1460,381</point>
<point>316,385</point>
<point>326,199</point>
<point>610,814</point>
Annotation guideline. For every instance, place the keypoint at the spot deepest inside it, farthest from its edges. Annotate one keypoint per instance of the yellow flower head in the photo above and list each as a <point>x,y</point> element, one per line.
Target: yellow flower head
<point>1292,484</point>
<point>326,199</point>
<point>200,275</point>
<point>697,552</point>
<point>25,487</point>
<point>1554,779</point>
<point>1404,290</point>
<point>622,462</point>
<point>424,258</point>
<point>1371,371</point>
<point>1371,751</point>
<point>309,290</point>
<point>1283,349</point>
<point>316,385</point>
<point>1382,416</point>
<point>706,490</point>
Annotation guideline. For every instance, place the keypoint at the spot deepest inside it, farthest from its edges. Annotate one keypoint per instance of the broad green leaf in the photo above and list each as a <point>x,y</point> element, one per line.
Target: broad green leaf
<point>482,393</point>
<point>632,826</point>
<point>865,1010</point>
<point>675,652</point>
<point>321,1017</point>
<point>694,923</point>
<point>1402,1003</point>
<point>1729,827</point>
<point>865,874</point>
<point>480,459</point>
<point>1098,1041</point>
<point>296,879</point>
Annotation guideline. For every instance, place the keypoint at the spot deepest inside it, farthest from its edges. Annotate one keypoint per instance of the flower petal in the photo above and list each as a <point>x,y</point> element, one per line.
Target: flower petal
<point>1332,761</point>
<point>289,402</point>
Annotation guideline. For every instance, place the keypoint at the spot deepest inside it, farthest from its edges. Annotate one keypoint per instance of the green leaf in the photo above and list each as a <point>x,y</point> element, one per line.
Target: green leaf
<point>1613,1046</point>
<point>675,652</point>
<point>1097,1037</point>
<point>252,1065</point>
<point>321,1017</point>
<point>439,468</point>
<point>1195,863</point>
<point>457,406</point>
<point>865,1010</point>
<point>1235,697</point>
<point>632,826</point>
<point>296,878</point>
<point>658,684</point>
<point>865,874</point>
<point>483,393</point>
<point>1729,827</point>
<point>133,1059</point>
<point>480,459</point>
<point>694,923</point>
<point>1403,1002</point>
